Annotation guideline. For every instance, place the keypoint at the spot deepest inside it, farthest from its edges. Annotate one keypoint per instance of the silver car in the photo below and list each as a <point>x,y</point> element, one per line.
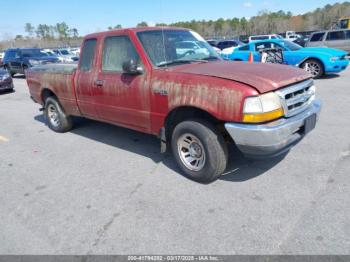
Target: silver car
<point>339,39</point>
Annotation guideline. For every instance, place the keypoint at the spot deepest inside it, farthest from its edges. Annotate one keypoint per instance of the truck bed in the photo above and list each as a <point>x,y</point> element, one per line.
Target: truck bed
<point>59,79</point>
<point>55,68</point>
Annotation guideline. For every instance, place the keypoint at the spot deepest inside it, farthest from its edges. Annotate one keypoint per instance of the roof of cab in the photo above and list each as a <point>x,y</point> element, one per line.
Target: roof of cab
<point>135,30</point>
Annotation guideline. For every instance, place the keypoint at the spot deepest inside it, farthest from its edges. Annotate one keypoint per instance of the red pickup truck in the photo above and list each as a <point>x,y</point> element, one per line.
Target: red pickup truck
<point>170,83</point>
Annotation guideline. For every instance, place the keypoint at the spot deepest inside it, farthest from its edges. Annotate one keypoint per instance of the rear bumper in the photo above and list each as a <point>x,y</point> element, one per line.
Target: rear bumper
<point>274,138</point>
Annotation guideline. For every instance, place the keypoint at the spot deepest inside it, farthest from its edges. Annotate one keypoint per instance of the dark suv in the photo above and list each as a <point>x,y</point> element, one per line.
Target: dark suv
<point>18,60</point>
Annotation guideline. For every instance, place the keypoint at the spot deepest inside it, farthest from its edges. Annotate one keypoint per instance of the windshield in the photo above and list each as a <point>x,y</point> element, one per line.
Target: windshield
<point>169,47</point>
<point>290,45</point>
<point>33,53</point>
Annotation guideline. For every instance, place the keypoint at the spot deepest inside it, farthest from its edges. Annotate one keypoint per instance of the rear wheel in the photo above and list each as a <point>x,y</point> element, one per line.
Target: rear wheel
<point>199,150</point>
<point>314,67</point>
<point>57,120</point>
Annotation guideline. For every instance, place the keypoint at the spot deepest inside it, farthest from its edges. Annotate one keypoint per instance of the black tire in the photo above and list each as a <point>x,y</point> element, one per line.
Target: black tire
<point>56,119</point>
<point>316,63</point>
<point>212,143</point>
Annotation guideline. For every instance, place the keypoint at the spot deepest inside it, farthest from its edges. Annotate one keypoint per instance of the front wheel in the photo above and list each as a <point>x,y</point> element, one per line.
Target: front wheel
<point>57,120</point>
<point>199,150</point>
<point>314,67</point>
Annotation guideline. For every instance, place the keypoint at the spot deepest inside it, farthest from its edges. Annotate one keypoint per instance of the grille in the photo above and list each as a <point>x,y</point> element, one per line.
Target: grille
<point>297,98</point>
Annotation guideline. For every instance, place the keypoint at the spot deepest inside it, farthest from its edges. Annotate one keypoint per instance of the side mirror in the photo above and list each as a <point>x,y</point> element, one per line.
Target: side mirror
<point>130,67</point>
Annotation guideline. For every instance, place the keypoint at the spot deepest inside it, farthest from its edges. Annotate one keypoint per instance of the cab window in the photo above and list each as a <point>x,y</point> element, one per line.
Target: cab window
<point>87,55</point>
<point>116,51</point>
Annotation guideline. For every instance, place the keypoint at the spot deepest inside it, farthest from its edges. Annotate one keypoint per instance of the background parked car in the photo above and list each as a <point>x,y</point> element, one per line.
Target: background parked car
<point>212,42</point>
<point>190,47</point>
<point>2,53</point>
<point>317,61</point>
<point>332,38</point>
<point>65,55</point>
<point>344,23</point>
<point>5,80</point>
<point>18,60</point>
<point>292,36</point>
<point>223,44</point>
<point>50,52</point>
<point>75,51</point>
<point>264,37</point>
<point>302,40</point>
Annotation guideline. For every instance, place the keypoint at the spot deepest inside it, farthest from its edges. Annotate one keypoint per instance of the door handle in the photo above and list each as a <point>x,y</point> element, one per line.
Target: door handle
<point>99,83</point>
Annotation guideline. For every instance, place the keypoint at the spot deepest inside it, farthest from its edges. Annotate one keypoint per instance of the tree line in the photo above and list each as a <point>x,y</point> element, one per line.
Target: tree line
<point>59,31</point>
<point>266,22</point>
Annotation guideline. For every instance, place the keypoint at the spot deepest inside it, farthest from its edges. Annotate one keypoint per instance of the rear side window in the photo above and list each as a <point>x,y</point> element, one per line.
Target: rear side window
<point>116,51</point>
<point>87,55</point>
<point>317,37</point>
<point>336,35</point>
<point>347,34</point>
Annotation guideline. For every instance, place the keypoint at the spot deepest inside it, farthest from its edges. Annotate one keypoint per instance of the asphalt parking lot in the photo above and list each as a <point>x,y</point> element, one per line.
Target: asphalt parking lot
<point>101,189</point>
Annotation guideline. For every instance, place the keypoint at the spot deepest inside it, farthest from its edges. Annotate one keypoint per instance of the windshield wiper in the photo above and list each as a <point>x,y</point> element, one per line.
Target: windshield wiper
<point>181,61</point>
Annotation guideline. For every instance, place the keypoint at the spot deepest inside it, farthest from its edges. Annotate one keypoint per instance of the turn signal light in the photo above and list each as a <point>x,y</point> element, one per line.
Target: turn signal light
<point>263,117</point>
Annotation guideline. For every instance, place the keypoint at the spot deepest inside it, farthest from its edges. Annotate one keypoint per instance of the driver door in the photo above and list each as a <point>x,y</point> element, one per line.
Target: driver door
<point>121,98</point>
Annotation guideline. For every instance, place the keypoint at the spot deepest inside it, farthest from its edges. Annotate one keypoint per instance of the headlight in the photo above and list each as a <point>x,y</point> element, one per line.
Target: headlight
<point>334,58</point>
<point>262,108</point>
<point>34,62</point>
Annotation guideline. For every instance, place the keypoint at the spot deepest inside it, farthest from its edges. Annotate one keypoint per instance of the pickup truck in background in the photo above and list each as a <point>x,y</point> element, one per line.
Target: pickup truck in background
<point>195,102</point>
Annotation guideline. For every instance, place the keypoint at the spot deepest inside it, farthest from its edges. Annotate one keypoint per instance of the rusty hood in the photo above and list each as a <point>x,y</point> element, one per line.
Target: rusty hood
<point>263,77</point>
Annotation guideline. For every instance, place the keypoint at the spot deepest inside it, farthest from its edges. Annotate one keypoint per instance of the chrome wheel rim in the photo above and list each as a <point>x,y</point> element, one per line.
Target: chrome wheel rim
<point>53,115</point>
<point>191,152</point>
<point>313,68</point>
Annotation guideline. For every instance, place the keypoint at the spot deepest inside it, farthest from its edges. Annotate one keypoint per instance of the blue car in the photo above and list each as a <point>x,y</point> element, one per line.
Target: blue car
<point>316,60</point>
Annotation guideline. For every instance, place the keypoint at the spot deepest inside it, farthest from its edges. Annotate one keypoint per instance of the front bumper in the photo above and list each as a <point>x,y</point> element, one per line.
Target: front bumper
<point>336,66</point>
<point>274,138</point>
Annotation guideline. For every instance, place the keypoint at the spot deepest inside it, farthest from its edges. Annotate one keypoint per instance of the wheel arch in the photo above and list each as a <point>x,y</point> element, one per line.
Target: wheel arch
<point>312,58</point>
<point>46,93</point>
<point>183,113</point>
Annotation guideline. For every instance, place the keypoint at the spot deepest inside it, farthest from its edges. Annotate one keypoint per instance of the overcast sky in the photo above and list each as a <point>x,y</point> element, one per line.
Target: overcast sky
<point>90,16</point>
